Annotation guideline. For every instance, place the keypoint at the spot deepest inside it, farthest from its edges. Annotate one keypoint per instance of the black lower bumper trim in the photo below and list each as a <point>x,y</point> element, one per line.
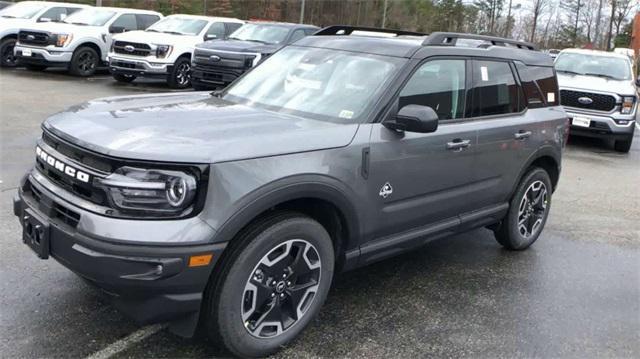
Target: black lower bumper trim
<point>37,59</point>
<point>137,73</point>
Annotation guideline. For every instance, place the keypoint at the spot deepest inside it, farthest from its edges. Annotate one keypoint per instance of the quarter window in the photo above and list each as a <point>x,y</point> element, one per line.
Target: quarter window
<point>438,84</point>
<point>495,90</point>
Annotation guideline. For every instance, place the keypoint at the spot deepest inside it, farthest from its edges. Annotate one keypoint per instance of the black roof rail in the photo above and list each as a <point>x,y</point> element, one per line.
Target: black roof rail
<point>348,30</point>
<point>450,38</point>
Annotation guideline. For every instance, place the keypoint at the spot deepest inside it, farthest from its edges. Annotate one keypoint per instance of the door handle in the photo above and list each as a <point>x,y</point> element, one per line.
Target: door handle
<point>522,135</point>
<point>458,144</point>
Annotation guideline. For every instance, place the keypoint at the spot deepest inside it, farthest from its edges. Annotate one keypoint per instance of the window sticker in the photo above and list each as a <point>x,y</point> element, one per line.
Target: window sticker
<point>346,114</point>
<point>484,73</point>
<point>551,97</point>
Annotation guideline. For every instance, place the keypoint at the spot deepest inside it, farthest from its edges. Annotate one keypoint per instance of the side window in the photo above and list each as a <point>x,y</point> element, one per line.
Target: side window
<point>53,14</point>
<point>144,20</point>
<point>494,90</point>
<point>232,26</point>
<point>297,35</point>
<point>548,84</point>
<point>126,22</point>
<point>310,32</point>
<point>438,84</point>
<point>215,31</point>
<point>71,10</point>
<point>532,94</point>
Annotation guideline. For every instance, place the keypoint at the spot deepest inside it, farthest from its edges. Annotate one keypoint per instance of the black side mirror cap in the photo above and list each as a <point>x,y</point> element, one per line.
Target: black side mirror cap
<point>414,118</point>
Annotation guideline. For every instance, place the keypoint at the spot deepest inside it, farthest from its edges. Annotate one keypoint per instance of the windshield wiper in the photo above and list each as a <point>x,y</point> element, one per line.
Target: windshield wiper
<point>174,32</point>
<point>152,30</point>
<point>259,41</point>
<point>9,16</point>
<point>569,72</point>
<point>602,75</point>
<point>79,23</point>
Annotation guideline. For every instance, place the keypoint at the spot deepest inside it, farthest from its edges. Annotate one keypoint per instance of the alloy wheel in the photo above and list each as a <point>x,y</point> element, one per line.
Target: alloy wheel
<point>86,62</point>
<point>532,209</point>
<point>281,288</point>
<point>8,58</point>
<point>183,74</point>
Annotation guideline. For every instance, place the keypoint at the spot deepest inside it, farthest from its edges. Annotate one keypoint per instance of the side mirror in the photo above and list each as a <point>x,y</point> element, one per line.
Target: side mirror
<point>117,29</point>
<point>638,81</point>
<point>414,118</point>
<point>208,37</point>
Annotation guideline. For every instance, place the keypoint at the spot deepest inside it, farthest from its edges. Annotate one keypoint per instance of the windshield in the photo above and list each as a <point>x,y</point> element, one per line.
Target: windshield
<point>90,17</point>
<point>179,25</point>
<point>328,85</point>
<point>25,10</point>
<point>593,65</point>
<point>270,34</point>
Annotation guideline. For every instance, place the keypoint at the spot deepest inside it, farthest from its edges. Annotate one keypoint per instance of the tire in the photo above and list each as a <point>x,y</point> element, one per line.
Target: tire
<point>180,76</point>
<point>34,67</point>
<point>84,62</point>
<point>531,212</point>
<point>7,59</point>
<point>623,145</point>
<point>124,78</point>
<point>254,268</point>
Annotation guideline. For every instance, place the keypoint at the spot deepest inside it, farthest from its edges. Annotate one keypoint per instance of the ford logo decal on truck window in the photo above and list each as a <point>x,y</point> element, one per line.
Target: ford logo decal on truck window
<point>585,100</point>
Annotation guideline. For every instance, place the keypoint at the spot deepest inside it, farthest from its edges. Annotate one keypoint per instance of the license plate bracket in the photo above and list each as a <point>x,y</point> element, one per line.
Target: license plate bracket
<point>26,52</point>
<point>581,121</point>
<point>35,233</point>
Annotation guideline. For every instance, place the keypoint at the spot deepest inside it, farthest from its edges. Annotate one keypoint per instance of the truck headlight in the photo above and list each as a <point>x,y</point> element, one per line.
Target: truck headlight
<point>627,104</point>
<point>63,40</point>
<point>163,51</point>
<point>150,191</point>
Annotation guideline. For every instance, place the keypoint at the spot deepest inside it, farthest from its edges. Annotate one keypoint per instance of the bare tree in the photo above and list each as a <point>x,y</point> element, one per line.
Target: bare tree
<point>538,8</point>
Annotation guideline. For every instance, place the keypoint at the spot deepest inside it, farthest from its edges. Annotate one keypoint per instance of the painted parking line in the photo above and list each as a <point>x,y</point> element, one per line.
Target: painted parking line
<point>126,342</point>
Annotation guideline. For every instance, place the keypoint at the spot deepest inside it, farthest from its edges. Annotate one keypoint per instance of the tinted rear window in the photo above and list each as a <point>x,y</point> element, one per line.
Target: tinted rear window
<point>539,84</point>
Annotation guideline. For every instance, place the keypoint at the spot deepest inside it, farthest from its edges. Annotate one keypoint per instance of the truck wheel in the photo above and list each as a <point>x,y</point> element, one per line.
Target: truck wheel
<point>623,145</point>
<point>84,62</point>
<point>180,76</point>
<point>34,67</point>
<point>528,211</point>
<point>270,286</point>
<point>7,59</point>
<point>124,78</point>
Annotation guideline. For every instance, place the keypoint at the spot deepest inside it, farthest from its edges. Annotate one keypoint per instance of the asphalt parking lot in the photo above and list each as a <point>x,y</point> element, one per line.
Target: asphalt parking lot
<point>575,293</point>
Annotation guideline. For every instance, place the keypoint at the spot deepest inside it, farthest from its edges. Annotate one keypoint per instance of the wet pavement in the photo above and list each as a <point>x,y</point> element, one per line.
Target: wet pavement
<point>575,293</point>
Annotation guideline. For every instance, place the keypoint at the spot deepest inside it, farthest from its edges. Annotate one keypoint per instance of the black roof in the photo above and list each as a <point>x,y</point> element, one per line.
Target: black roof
<point>406,44</point>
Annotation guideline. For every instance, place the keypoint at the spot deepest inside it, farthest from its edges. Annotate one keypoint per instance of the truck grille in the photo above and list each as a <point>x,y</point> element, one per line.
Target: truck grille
<point>599,102</point>
<point>53,209</point>
<point>131,48</point>
<point>34,38</point>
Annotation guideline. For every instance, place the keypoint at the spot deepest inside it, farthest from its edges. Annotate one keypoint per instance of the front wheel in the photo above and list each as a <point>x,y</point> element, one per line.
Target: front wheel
<point>528,211</point>
<point>7,58</point>
<point>84,62</point>
<point>272,285</point>
<point>180,76</point>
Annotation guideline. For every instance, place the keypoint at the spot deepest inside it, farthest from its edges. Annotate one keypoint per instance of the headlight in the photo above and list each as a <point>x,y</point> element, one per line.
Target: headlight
<point>152,192</point>
<point>163,51</point>
<point>63,40</point>
<point>627,104</point>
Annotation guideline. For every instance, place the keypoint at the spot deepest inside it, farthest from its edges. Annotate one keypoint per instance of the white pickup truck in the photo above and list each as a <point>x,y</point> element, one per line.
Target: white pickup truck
<point>164,49</point>
<point>81,41</point>
<point>27,13</point>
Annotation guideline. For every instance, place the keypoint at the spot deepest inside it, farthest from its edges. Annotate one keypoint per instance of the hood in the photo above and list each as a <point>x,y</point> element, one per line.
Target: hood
<point>11,24</point>
<point>241,46</point>
<point>194,127</point>
<point>594,83</point>
<point>63,28</point>
<point>150,37</point>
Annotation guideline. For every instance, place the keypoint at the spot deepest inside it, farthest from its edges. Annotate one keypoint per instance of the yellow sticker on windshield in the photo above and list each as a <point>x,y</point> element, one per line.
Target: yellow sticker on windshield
<point>346,114</point>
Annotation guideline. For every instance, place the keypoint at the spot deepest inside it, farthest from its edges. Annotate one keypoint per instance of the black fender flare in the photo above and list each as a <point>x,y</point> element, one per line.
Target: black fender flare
<point>291,188</point>
<point>544,151</point>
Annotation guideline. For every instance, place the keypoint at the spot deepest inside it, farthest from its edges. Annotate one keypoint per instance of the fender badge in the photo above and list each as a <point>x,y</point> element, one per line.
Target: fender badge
<point>386,190</point>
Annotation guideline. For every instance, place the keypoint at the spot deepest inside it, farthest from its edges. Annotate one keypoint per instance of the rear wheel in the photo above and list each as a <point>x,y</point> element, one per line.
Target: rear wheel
<point>273,283</point>
<point>528,211</point>
<point>34,67</point>
<point>124,78</point>
<point>7,59</point>
<point>84,62</point>
<point>180,76</point>
<point>623,145</point>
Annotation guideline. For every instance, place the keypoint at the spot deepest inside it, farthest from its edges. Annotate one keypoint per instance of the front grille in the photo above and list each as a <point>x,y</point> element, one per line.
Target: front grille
<point>79,155</point>
<point>34,38</point>
<point>131,48</point>
<point>53,209</point>
<point>599,102</point>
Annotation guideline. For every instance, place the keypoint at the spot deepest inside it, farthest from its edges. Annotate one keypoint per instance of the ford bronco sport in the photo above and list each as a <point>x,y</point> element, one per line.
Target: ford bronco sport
<point>599,93</point>
<point>235,209</point>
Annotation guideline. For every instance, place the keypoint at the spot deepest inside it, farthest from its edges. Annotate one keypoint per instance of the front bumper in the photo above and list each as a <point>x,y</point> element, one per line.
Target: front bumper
<point>150,283</point>
<point>616,125</point>
<point>42,56</point>
<point>138,67</point>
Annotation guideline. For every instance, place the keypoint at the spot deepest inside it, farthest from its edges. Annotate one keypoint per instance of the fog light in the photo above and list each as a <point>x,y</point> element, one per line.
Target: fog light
<point>622,122</point>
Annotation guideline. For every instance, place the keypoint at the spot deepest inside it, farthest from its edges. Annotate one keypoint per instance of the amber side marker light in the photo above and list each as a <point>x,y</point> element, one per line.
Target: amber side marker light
<point>200,260</point>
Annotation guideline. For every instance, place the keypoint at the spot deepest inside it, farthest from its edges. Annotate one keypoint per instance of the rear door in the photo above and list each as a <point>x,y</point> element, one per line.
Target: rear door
<point>423,178</point>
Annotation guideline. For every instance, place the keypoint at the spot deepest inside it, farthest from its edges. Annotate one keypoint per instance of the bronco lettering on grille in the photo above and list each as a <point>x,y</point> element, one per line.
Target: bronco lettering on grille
<point>61,166</point>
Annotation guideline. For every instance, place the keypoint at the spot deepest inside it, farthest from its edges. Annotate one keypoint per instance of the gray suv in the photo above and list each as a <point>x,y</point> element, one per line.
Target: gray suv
<point>236,209</point>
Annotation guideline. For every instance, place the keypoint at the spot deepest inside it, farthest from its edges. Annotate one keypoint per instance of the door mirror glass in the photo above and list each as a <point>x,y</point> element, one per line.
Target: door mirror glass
<point>414,118</point>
